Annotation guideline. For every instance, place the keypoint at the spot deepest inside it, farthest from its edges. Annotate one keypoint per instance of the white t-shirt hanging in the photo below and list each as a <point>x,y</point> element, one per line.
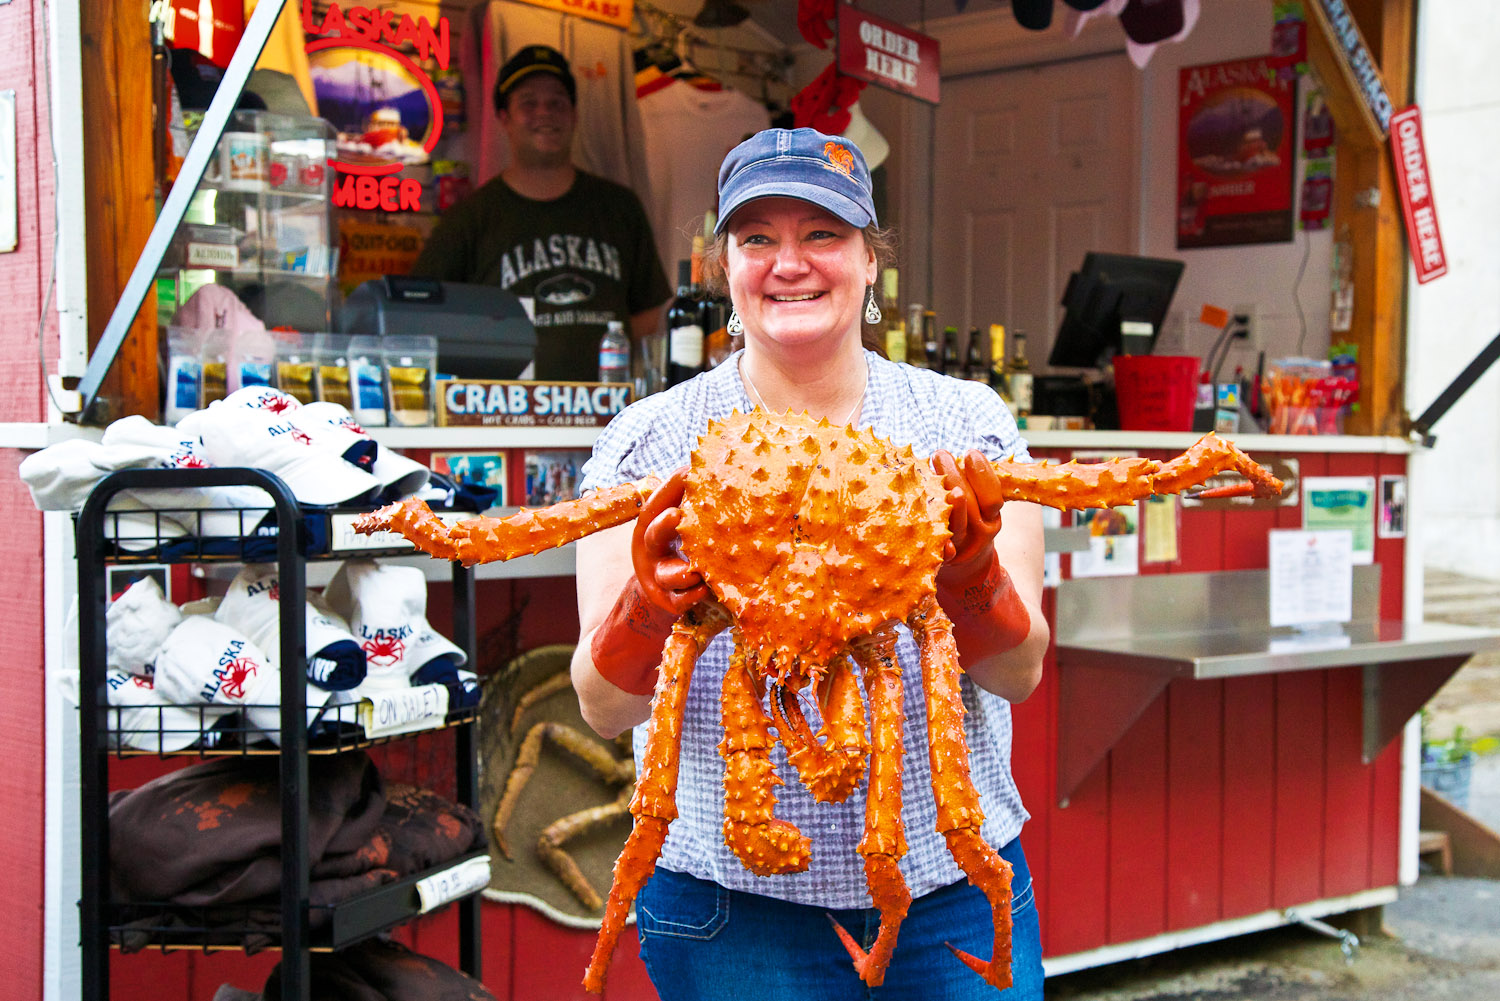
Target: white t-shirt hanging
<point>688,131</point>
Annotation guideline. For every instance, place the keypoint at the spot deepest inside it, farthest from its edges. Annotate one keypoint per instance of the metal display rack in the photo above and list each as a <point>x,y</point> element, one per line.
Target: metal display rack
<point>303,928</point>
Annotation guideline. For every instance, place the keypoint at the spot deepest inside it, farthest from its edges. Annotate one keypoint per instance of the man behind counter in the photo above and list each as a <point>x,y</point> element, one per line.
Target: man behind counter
<point>578,245</point>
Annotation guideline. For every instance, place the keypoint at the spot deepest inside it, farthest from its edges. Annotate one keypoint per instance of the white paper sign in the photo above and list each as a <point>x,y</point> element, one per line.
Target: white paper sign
<point>456,881</point>
<point>404,710</point>
<point>1312,576</point>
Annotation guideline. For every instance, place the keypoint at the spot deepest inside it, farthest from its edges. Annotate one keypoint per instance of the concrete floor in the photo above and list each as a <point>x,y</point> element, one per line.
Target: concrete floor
<point>1441,939</point>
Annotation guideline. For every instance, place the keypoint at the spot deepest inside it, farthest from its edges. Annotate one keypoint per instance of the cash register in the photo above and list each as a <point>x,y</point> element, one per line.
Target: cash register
<point>482,331</point>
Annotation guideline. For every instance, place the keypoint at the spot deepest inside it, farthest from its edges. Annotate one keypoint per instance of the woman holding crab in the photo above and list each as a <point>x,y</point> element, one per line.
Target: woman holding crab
<point>798,247</point>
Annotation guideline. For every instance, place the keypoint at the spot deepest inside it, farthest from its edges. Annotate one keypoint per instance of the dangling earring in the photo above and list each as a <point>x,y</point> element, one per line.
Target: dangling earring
<point>872,308</point>
<point>734,326</point>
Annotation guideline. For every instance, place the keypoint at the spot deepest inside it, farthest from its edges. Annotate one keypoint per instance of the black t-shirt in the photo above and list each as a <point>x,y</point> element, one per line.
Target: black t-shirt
<point>584,259</point>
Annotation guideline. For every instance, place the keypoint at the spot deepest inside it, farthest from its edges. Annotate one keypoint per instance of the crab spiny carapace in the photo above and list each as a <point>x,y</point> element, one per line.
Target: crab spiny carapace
<point>815,542</point>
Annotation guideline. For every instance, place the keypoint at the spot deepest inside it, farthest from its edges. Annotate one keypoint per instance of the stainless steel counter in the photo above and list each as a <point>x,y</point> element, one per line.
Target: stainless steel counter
<point>1122,640</point>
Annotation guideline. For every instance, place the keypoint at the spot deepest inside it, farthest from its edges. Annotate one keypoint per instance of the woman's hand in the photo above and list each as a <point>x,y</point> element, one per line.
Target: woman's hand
<point>665,577</point>
<point>627,646</point>
<point>989,616</point>
<point>974,521</point>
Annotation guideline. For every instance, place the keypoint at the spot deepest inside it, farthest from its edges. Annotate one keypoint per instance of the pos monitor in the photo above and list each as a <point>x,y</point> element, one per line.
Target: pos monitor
<point>1111,289</point>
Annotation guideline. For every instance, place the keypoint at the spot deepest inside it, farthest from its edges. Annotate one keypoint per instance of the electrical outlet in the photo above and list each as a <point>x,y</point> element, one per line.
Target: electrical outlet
<point>1242,321</point>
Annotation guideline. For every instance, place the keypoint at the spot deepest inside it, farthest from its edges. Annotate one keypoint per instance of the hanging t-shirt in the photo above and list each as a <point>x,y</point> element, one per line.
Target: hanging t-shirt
<point>688,132</point>
<point>607,140</point>
<point>584,259</point>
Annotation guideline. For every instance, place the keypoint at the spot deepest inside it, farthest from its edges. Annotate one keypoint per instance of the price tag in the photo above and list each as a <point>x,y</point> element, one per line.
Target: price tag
<point>460,880</point>
<point>403,710</point>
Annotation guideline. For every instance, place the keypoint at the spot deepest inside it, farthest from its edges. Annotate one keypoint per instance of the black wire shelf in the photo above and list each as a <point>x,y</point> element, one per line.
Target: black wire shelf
<point>163,926</point>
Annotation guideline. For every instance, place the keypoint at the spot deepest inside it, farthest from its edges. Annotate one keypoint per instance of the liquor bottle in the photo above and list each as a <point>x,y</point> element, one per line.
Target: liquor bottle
<point>890,317</point>
<point>684,329</point>
<point>914,315</point>
<point>1020,378</point>
<point>975,367</point>
<point>718,345</point>
<point>952,361</point>
<point>614,354</point>
<point>932,347</point>
<point>998,380</point>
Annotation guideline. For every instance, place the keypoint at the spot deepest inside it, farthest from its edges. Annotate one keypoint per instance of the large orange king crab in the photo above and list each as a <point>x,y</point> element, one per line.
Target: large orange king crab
<point>815,541</point>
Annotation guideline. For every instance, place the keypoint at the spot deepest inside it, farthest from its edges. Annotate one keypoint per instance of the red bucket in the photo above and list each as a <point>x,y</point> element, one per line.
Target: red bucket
<point>1156,392</point>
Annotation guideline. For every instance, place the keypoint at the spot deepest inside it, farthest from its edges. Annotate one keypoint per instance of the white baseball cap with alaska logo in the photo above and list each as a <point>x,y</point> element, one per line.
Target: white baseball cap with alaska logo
<point>205,661</point>
<point>252,605</point>
<point>261,438</point>
<point>399,475</point>
<point>386,607</point>
<point>139,718</point>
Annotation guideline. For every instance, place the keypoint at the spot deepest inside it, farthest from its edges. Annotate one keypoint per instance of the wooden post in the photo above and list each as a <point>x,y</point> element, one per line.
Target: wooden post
<point>119,189</point>
<point>1366,204</point>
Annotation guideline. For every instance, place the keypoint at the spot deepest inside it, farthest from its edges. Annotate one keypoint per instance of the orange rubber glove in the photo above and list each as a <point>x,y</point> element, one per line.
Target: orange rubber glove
<point>627,646</point>
<point>973,588</point>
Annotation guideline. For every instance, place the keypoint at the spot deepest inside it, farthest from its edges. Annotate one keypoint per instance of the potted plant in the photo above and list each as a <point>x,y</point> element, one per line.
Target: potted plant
<point>1447,765</point>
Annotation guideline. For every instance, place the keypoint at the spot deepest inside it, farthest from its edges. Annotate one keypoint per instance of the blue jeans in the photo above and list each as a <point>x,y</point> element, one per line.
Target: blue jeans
<point>702,941</point>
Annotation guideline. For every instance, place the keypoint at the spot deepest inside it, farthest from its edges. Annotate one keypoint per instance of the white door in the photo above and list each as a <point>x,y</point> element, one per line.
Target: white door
<point>1032,168</point>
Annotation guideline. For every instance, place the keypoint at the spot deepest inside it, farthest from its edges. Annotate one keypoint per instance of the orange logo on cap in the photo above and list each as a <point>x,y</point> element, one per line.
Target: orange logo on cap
<point>840,157</point>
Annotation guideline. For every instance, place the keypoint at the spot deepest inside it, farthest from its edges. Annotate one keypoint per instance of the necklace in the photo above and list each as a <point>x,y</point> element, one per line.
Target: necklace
<point>761,400</point>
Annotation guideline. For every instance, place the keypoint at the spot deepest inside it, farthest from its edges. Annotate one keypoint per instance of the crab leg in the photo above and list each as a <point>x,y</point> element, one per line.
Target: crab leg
<point>958,812</point>
<point>830,762</point>
<point>528,531</point>
<point>600,761</point>
<point>1073,485</point>
<point>884,841</point>
<point>654,805</point>
<point>765,844</point>
<point>550,845</point>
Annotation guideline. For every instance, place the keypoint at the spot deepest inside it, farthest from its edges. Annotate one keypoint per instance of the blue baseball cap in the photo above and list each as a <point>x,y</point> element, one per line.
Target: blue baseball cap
<point>828,171</point>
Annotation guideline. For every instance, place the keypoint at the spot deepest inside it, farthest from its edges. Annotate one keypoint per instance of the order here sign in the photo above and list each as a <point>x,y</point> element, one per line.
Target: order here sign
<point>1415,184</point>
<point>887,54</point>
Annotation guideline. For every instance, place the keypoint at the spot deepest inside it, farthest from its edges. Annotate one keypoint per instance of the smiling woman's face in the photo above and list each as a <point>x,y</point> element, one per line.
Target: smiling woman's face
<point>796,273</point>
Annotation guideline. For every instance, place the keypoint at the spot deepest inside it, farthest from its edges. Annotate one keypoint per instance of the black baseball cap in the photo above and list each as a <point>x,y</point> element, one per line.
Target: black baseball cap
<point>533,59</point>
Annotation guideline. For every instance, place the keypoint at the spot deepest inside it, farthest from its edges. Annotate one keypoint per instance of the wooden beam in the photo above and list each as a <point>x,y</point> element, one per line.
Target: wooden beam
<point>1366,204</point>
<point>119,189</point>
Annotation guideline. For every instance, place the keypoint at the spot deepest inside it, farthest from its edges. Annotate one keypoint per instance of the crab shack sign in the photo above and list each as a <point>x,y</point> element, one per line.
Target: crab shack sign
<point>387,110</point>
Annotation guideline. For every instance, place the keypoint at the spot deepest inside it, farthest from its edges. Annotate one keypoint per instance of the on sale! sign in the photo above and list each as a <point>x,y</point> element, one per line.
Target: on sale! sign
<point>887,54</point>
<point>1422,234</point>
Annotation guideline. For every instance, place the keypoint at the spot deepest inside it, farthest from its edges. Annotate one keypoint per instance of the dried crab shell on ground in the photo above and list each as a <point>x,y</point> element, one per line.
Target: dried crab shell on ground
<point>815,541</point>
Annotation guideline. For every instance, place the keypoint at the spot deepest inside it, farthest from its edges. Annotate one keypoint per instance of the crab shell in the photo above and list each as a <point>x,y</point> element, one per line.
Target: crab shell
<point>811,534</point>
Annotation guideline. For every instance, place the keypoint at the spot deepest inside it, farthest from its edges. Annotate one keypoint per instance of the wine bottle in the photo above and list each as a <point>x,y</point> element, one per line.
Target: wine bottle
<point>975,369</point>
<point>932,346</point>
<point>952,361</point>
<point>890,317</point>
<point>1020,378</point>
<point>684,329</point>
<point>914,314</point>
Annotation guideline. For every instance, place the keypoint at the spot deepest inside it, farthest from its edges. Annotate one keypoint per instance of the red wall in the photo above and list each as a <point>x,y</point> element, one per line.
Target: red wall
<point>22,851</point>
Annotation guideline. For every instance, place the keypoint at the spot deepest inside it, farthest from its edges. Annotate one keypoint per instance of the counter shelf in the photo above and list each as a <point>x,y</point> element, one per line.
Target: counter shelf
<point>1122,640</point>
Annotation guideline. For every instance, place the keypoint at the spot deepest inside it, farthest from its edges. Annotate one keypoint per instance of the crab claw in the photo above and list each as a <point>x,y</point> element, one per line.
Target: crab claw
<point>979,966</point>
<point>860,957</point>
<point>1245,489</point>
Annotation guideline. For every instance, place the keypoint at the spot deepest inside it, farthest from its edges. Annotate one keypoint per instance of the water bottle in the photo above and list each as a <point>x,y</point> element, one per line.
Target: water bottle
<point>614,354</point>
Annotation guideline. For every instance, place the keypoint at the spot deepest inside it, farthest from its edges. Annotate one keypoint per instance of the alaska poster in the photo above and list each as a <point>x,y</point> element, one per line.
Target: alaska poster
<point>1235,154</point>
